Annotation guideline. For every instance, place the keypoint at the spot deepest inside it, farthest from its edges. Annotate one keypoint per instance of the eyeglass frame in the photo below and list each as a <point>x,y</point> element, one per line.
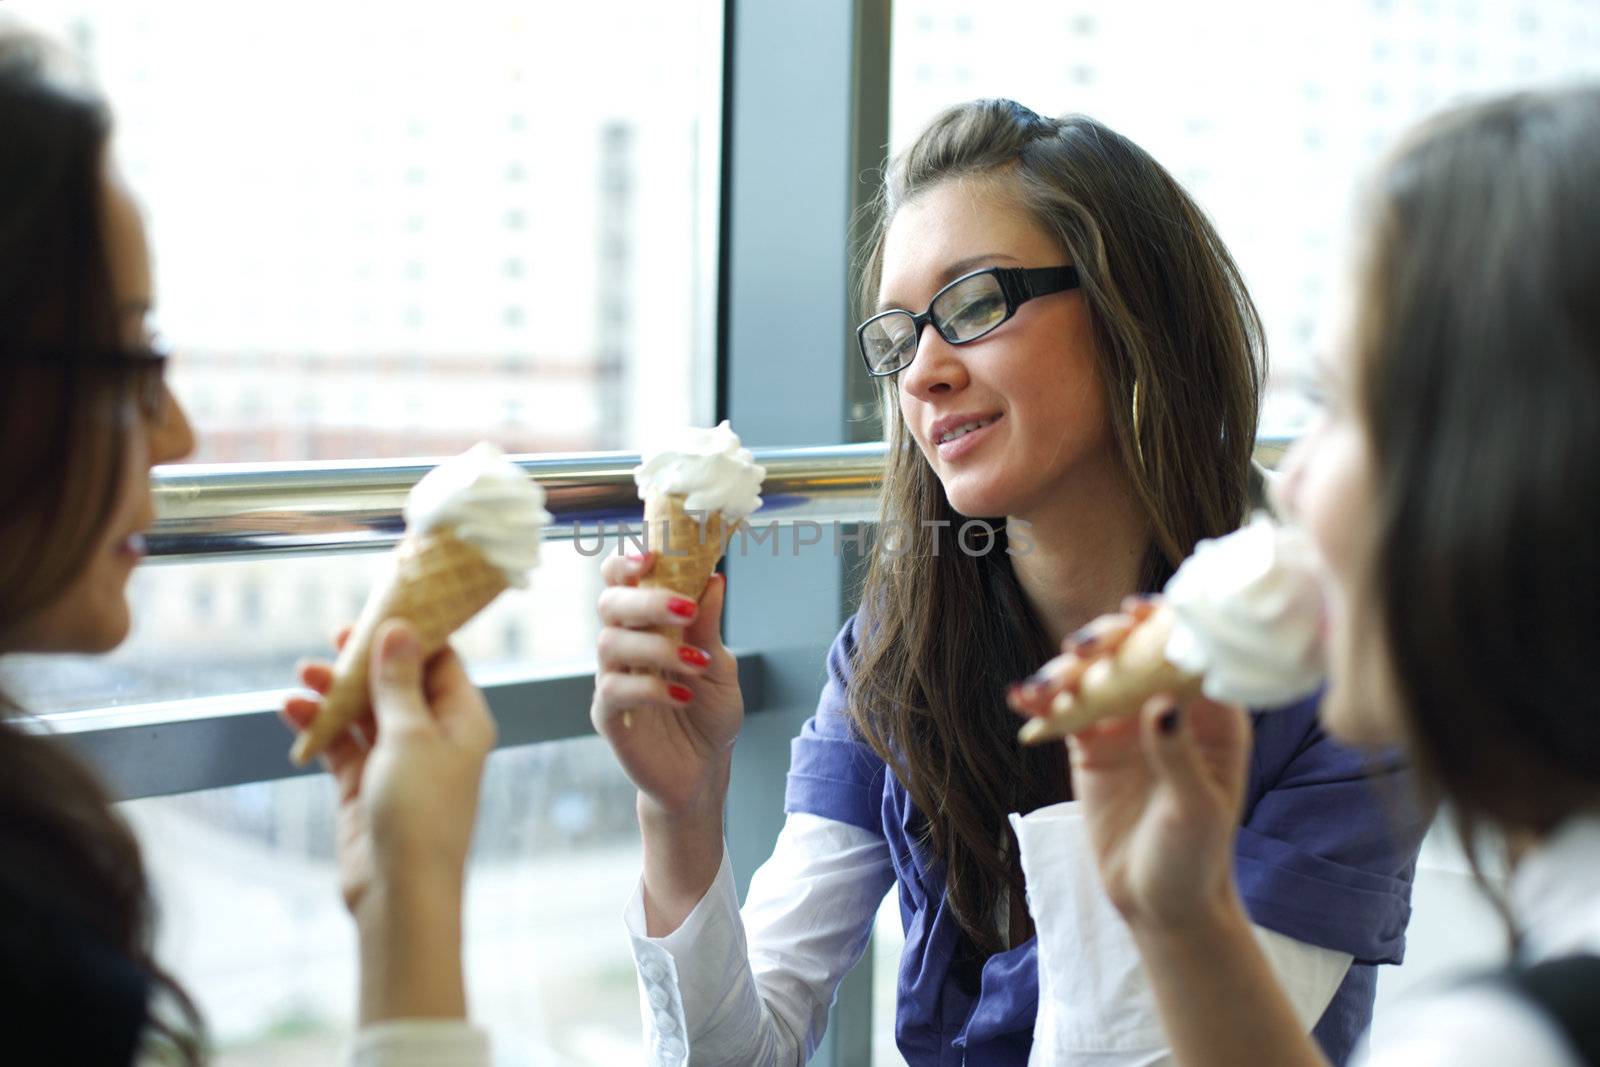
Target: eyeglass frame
<point>150,361</point>
<point>1018,285</point>
<point>145,363</point>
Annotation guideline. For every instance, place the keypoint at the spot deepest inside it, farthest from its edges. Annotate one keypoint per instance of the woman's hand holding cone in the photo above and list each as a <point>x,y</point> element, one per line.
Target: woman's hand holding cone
<point>670,710</point>
<point>1161,791</point>
<point>408,774</point>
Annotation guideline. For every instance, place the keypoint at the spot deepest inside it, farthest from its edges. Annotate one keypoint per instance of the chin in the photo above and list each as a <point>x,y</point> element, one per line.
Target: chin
<point>86,620</point>
<point>974,498</point>
<point>100,632</point>
<point>109,637</point>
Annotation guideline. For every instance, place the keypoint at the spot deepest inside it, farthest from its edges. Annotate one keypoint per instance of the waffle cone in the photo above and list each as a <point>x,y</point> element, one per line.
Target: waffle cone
<point>686,553</point>
<point>437,583</point>
<point>1118,685</point>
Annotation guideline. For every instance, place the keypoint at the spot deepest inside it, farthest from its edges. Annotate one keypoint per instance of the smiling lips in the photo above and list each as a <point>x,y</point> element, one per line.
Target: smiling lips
<point>955,434</point>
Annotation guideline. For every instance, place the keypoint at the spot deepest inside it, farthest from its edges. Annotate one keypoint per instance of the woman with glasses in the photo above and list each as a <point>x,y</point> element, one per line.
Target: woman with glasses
<point>1450,492</point>
<point>1071,369</point>
<point>84,415</point>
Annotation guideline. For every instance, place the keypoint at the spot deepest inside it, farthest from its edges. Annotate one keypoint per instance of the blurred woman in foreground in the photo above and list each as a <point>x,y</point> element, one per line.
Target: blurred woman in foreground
<point>1451,491</point>
<point>84,414</point>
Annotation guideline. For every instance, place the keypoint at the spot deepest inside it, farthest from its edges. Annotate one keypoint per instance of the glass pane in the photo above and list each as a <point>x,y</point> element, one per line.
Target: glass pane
<point>1270,114</point>
<point>240,626</point>
<point>253,925</point>
<point>393,229</point>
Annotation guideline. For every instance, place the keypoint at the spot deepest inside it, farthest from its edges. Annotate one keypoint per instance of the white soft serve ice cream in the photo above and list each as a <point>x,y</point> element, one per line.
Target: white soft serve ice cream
<point>1248,610</point>
<point>492,504</point>
<point>709,468</point>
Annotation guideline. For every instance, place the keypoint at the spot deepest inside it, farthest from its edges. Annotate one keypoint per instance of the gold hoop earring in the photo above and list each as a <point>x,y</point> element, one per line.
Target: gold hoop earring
<point>1138,445</point>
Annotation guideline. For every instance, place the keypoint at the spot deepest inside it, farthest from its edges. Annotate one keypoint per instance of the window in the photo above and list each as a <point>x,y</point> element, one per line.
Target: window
<point>1269,114</point>
<point>376,228</point>
<point>310,228</point>
<point>253,925</point>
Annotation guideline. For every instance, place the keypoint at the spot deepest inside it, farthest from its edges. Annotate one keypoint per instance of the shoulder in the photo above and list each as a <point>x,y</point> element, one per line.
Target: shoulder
<point>832,720</point>
<point>841,654</point>
<point>832,772</point>
<point>1480,1025</point>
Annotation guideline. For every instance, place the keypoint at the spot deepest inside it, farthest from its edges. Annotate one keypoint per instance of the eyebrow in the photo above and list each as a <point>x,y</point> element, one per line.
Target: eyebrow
<point>952,271</point>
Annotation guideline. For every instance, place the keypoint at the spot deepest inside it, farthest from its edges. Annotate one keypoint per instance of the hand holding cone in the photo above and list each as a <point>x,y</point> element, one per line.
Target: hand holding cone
<point>437,583</point>
<point>1119,684</point>
<point>1240,621</point>
<point>696,491</point>
<point>473,529</point>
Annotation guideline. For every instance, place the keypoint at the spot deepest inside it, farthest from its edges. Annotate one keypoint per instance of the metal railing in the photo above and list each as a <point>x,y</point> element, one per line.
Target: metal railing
<point>271,510</point>
<point>262,510</point>
<point>285,509</point>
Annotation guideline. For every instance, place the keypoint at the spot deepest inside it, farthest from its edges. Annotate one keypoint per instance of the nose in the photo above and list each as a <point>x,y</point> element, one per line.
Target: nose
<point>937,369</point>
<point>173,438</point>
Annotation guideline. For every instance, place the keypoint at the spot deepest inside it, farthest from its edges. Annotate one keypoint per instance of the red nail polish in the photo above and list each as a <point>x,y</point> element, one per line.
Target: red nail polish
<point>694,657</point>
<point>682,607</point>
<point>681,693</point>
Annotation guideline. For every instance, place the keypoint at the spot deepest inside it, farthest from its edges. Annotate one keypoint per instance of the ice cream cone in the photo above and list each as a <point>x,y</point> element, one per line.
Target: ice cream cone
<point>686,551</point>
<point>1120,684</point>
<point>437,583</point>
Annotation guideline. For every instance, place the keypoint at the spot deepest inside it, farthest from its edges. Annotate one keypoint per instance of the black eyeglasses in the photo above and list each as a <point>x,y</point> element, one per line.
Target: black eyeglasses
<point>968,308</point>
<point>147,375</point>
<point>141,368</point>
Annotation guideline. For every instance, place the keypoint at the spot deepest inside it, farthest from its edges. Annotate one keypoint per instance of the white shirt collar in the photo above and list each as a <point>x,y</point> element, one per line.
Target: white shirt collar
<point>1555,891</point>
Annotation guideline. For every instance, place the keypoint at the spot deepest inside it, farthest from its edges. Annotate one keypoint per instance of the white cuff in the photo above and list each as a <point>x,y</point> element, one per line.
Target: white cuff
<point>420,1043</point>
<point>690,972</point>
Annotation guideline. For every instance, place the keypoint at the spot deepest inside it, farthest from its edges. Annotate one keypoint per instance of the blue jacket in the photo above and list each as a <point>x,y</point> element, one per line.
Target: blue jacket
<point>1325,855</point>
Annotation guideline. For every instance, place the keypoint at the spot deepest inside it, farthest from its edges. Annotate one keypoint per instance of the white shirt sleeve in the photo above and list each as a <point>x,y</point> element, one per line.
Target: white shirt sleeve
<point>1472,1027</point>
<point>1096,1006</point>
<point>420,1043</point>
<point>755,990</point>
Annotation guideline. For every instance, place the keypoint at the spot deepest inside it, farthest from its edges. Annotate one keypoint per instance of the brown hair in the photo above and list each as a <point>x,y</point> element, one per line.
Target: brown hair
<point>1478,373</point>
<point>943,632</point>
<point>65,414</point>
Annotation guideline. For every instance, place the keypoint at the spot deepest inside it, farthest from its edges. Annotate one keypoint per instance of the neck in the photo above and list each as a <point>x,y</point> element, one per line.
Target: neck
<point>1089,542</point>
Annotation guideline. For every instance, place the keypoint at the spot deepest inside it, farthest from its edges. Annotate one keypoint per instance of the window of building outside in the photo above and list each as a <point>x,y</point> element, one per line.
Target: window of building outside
<point>1270,114</point>
<point>390,231</point>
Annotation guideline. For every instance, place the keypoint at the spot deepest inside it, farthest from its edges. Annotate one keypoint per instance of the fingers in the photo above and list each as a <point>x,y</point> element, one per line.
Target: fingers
<point>1139,607</point>
<point>1223,734</point>
<point>627,570</point>
<point>1033,695</point>
<point>1172,751</point>
<point>315,675</point>
<point>345,757</point>
<point>1106,744</point>
<point>706,630</point>
<point>444,676</point>
<point>638,650</point>
<point>1101,637</point>
<point>299,711</point>
<point>456,702</point>
<point>616,693</point>
<point>396,674</point>
<point>644,609</point>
